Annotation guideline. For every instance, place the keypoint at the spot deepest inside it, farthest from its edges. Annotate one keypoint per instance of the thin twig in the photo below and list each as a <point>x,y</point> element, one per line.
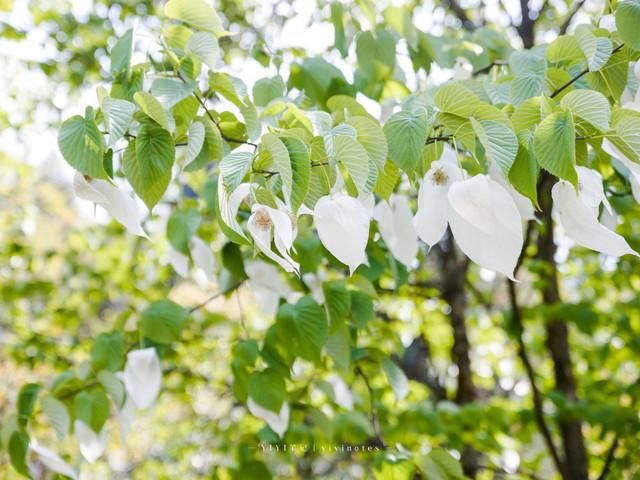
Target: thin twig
<point>215,122</point>
<point>461,13</point>
<point>611,454</point>
<point>580,75</point>
<point>489,67</point>
<point>516,315</point>
<point>214,296</point>
<point>440,138</point>
<point>373,413</point>
<point>567,21</point>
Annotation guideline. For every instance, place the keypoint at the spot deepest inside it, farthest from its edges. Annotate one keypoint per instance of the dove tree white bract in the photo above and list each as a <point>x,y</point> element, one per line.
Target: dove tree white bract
<point>119,204</point>
<point>343,227</point>
<point>142,376</point>
<point>486,224</point>
<point>432,216</point>
<point>40,458</point>
<point>267,224</point>
<point>395,222</point>
<point>277,421</point>
<point>266,285</point>
<point>578,214</point>
<point>271,184</point>
<point>92,445</point>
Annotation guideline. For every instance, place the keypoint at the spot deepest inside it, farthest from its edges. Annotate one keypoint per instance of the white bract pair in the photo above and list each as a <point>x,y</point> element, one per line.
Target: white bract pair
<point>277,421</point>
<point>266,224</point>
<point>342,223</point>
<point>395,224</point>
<point>202,256</point>
<point>119,204</point>
<point>142,377</point>
<point>267,286</point>
<point>41,460</point>
<point>578,214</point>
<point>481,213</point>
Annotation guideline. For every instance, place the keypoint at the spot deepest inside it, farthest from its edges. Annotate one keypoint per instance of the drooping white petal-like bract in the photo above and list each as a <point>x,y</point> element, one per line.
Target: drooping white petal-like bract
<point>230,204</point>
<point>179,261</point>
<point>120,205</point>
<point>431,219</point>
<point>266,285</point>
<point>202,257</point>
<point>142,376</point>
<point>462,69</point>
<point>278,422</point>
<point>40,457</point>
<point>578,215</point>
<point>485,223</point>
<point>608,22</point>
<point>126,416</point>
<point>266,224</point>
<point>343,227</point>
<point>92,444</point>
<point>395,223</point>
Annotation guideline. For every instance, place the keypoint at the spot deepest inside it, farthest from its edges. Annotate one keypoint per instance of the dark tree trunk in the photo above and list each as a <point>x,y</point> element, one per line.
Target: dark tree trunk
<point>575,456</point>
<point>453,270</point>
<point>526,29</point>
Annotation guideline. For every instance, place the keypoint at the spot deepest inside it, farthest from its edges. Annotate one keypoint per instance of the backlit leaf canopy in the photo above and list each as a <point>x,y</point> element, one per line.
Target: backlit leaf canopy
<point>291,155</point>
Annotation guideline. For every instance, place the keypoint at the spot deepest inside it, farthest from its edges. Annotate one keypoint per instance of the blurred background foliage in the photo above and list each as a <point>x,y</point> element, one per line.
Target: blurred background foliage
<point>67,276</point>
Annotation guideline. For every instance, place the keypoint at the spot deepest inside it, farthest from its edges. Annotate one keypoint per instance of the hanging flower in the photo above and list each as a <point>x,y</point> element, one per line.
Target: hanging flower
<point>278,422</point>
<point>41,460</point>
<point>142,376</point>
<point>485,223</point>
<point>462,69</point>
<point>396,228</point>
<point>608,22</point>
<point>266,284</point>
<point>121,206</point>
<point>178,261</point>
<point>343,227</point>
<point>92,444</point>
<point>432,217</point>
<point>314,282</point>
<point>341,392</point>
<point>266,224</point>
<point>578,214</point>
<point>202,257</point>
<point>126,416</point>
<point>230,204</point>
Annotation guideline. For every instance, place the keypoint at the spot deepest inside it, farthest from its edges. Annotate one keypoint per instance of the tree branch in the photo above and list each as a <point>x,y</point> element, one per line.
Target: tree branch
<point>580,75</point>
<point>415,363</point>
<point>453,271</point>
<point>527,24</point>
<point>461,13</point>
<point>439,138</point>
<point>215,122</point>
<point>516,316</point>
<point>567,21</point>
<point>214,296</point>
<point>489,67</point>
<point>228,139</point>
<point>372,407</point>
<point>557,332</point>
<point>611,454</point>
